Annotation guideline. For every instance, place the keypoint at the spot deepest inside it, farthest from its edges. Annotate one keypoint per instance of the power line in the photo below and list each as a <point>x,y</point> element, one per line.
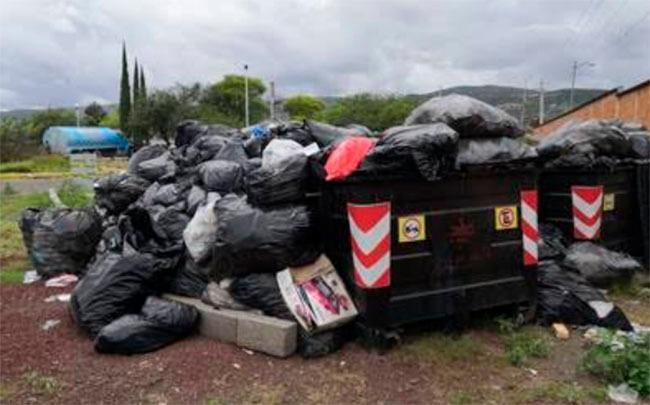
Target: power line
<point>581,29</point>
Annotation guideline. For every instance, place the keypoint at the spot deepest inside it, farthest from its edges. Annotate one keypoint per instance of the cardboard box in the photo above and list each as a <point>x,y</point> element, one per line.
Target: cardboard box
<point>316,295</point>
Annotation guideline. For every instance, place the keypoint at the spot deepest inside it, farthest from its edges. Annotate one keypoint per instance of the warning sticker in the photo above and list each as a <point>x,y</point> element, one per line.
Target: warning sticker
<point>411,228</point>
<point>505,217</point>
<point>609,201</point>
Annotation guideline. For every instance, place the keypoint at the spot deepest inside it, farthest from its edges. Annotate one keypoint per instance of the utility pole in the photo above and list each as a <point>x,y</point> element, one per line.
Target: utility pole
<point>574,72</point>
<point>523,104</point>
<point>272,100</point>
<point>541,102</point>
<point>246,95</point>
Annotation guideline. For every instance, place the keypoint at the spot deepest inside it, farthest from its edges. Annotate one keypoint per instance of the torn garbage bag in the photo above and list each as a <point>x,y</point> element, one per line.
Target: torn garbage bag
<point>250,240</point>
<point>222,176</point>
<point>470,117</point>
<point>346,157</point>
<point>599,265</point>
<point>566,296</point>
<point>159,323</point>
<point>60,240</point>
<point>492,151</point>
<point>116,285</point>
<point>278,184</point>
<point>116,192</point>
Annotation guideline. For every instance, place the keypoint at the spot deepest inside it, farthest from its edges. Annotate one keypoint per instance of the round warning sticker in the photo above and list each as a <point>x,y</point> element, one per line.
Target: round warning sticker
<point>411,228</point>
<point>505,217</point>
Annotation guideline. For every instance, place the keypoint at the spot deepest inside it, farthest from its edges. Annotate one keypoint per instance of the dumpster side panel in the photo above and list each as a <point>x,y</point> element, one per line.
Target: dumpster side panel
<point>461,263</point>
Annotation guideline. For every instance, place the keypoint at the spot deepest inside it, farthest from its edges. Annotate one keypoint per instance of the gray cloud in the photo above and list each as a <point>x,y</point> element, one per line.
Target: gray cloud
<point>64,52</point>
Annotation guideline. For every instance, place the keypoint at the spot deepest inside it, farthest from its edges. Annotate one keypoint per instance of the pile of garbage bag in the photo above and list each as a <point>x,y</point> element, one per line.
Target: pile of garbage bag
<point>594,144</point>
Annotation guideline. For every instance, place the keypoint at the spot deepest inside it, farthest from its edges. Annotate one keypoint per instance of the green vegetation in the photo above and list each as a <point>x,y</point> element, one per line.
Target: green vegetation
<point>93,114</point>
<point>227,98</point>
<point>440,347</point>
<point>376,112</point>
<point>37,164</point>
<point>125,93</point>
<point>303,106</point>
<point>41,384</point>
<point>564,393</point>
<point>523,343</point>
<point>618,358</point>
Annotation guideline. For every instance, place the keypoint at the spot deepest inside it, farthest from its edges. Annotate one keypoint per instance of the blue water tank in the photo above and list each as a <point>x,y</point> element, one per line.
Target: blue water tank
<point>68,140</point>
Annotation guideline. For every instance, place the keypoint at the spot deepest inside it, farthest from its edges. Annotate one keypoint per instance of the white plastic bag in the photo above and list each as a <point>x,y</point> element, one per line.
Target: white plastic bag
<point>278,150</point>
<point>201,232</point>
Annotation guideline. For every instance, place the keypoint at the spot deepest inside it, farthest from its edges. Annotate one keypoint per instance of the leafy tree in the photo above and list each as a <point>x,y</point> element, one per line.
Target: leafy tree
<point>93,114</point>
<point>227,98</point>
<point>22,138</point>
<point>377,112</point>
<point>166,108</point>
<point>125,93</point>
<point>303,106</point>
<point>111,120</point>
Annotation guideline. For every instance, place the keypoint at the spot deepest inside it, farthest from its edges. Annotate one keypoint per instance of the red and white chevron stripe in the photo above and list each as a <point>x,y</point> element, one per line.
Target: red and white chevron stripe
<point>587,211</point>
<point>370,238</point>
<point>529,229</point>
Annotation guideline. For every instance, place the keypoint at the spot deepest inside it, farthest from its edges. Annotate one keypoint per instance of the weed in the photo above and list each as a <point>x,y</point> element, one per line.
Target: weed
<point>41,384</point>
<point>461,398</point>
<point>565,393</point>
<point>8,190</point>
<point>6,392</point>
<point>441,347</point>
<point>37,164</point>
<point>619,358</point>
<point>522,343</point>
<point>74,195</point>
<point>215,401</point>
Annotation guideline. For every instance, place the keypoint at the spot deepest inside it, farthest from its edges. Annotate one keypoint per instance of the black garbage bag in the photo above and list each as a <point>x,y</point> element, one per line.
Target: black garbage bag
<point>190,278</point>
<point>599,265</point>
<point>255,145</point>
<point>326,134</point>
<point>252,164</point>
<point>261,291</point>
<point>139,231</point>
<point>203,149</point>
<point>170,194</point>
<point>196,197</point>
<point>232,151</point>
<point>160,323</point>
<point>250,240</point>
<point>591,138</point>
<point>552,244</point>
<point>278,184</point>
<point>60,240</point>
<point>583,161</point>
<point>297,133</point>
<point>470,117</point>
<point>169,222</point>
<point>565,296</point>
<point>493,151</point>
<point>222,176</point>
<point>116,285</point>
<point>161,169</point>
<point>188,131</point>
<point>640,144</point>
<point>116,192</point>
<point>143,154</point>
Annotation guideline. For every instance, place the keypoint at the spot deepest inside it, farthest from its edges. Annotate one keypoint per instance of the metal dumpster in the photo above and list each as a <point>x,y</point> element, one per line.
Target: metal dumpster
<point>455,245</point>
<point>620,219</point>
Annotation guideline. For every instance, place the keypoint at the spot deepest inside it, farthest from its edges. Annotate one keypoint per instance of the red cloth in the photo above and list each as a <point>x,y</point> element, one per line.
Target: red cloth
<point>347,157</point>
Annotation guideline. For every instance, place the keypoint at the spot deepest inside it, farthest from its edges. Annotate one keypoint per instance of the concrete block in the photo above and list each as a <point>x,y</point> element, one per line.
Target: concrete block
<point>277,337</point>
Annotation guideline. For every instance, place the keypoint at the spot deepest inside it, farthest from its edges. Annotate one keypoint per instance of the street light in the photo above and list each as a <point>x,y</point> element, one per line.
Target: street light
<point>246,94</point>
<point>576,66</point>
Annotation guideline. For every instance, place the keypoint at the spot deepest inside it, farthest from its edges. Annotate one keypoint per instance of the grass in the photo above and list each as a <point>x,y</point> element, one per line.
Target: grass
<point>563,393</point>
<point>37,164</point>
<point>41,384</point>
<point>437,346</point>
<point>13,255</point>
<point>617,359</point>
<point>633,299</point>
<point>521,344</point>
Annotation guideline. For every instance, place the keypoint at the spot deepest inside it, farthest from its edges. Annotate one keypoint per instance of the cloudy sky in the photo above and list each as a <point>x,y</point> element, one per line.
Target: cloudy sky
<point>66,52</point>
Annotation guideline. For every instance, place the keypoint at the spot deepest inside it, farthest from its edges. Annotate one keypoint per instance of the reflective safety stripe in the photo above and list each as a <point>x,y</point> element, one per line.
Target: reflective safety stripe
<point>529,227</point>
<point>587,210</point>
<point>370,241</point>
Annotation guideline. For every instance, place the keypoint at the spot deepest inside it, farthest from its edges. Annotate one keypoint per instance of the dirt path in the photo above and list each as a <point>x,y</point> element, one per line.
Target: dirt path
<point>25,186</point>
<point>60,366</point>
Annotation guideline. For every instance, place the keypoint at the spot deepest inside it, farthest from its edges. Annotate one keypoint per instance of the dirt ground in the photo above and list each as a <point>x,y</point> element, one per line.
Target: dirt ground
<point>60,366</point>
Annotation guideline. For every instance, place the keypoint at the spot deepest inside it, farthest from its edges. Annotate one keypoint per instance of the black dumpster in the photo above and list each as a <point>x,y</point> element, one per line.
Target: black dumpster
<point>621,221</point>
<point>448,254</point>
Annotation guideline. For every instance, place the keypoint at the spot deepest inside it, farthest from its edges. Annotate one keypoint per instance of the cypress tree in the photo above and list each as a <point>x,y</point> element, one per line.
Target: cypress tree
<point>143,86</point>
<point>125,94</point>
<point>136,85</point>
